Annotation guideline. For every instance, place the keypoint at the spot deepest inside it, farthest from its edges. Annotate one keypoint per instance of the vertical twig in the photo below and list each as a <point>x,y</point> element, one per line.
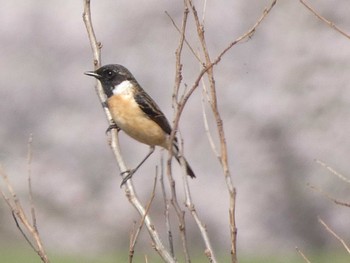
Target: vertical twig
<point>166,210</point>
<point>95,46</point>
<point>178,64</point>
<point>181,217</point>
<point>137,232</point>
<point>29,169</point>
<point>178,78</point>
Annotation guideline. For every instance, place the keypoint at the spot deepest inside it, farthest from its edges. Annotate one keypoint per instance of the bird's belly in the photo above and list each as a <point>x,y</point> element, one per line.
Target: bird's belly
<point>133,121</point>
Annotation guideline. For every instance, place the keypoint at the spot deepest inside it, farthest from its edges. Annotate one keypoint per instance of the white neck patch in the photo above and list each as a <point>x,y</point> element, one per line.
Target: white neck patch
<point>124,87</point>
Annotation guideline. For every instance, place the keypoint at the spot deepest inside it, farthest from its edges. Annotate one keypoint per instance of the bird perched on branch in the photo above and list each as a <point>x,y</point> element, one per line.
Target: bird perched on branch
<point>135,112</point>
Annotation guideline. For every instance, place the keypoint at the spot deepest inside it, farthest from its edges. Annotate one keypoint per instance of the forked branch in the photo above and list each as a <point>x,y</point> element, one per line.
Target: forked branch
<point>30,231</point>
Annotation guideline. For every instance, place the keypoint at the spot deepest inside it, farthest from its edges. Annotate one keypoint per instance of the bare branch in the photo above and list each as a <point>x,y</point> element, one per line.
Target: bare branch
<point>18,213</point>
<point>204,9</point>
<point>335,235</point>
<point>323,19</point>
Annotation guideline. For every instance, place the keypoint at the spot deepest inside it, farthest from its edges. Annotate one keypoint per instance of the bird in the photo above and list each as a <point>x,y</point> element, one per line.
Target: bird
<point>135,112</point>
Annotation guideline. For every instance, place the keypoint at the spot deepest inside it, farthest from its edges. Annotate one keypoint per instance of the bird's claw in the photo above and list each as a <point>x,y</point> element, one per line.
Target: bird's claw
<point>111,127</point>
<point>129,173</point>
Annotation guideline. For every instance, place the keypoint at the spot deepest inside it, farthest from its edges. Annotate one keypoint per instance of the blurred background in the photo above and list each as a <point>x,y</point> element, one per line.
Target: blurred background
<point>283,96</point>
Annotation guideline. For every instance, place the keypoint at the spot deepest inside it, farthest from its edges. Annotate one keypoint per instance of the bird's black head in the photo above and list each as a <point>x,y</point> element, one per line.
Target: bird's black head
<point>110,76</point>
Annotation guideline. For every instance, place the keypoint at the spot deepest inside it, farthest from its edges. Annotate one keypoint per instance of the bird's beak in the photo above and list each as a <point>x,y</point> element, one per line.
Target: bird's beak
<point>92,73</point>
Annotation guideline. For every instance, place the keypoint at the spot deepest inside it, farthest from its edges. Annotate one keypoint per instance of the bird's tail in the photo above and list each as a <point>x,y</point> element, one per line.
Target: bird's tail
<point>189,170</point>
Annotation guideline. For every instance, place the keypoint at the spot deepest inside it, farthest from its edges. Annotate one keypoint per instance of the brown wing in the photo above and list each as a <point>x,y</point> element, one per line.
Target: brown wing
<point>152,110</point>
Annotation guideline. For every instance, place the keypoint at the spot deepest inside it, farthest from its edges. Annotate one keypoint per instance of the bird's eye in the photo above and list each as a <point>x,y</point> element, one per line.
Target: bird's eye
<point>109,74</point>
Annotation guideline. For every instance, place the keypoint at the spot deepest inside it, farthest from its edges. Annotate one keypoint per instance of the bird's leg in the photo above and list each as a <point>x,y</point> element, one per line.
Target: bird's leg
<point>132,171</point>
<point>113,125</point>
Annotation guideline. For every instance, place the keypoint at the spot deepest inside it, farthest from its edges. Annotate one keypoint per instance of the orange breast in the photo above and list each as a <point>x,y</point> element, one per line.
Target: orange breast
<point>133,121</point>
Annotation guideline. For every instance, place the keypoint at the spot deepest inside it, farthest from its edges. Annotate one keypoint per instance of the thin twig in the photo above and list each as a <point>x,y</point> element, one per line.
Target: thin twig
<point>131,239</point>
<point>166,209</point>
<point>18,213</point>
<point>335,235</point>
<point>336,201</point>
<point>186,41</point>
<point>342,177</point>
<point>249,33</point>
<point>21,230</point>
<point>323,19</point>
<point>204,10</point>
<point>95,46</point>
<point>178,78</point>
<point>141,223</point>
<point>302,255</point>
<point>29,168</point>
<point>209,252</point>
<point>206,125</point>
<point>180,215</point>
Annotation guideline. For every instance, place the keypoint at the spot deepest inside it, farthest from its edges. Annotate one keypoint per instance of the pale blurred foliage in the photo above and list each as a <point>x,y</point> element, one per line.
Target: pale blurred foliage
<point>283,96</point>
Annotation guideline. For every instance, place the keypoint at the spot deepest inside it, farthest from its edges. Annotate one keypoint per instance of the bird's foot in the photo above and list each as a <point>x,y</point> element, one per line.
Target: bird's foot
<point>111,127</point>
<point>129,174</point>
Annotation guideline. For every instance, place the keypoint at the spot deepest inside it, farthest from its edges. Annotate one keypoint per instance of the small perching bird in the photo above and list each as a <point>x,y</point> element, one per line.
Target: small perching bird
<point>135,112</point>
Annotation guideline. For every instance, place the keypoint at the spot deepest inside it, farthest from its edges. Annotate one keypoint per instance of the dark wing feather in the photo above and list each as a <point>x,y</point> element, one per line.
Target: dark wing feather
<point>151,109</point>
